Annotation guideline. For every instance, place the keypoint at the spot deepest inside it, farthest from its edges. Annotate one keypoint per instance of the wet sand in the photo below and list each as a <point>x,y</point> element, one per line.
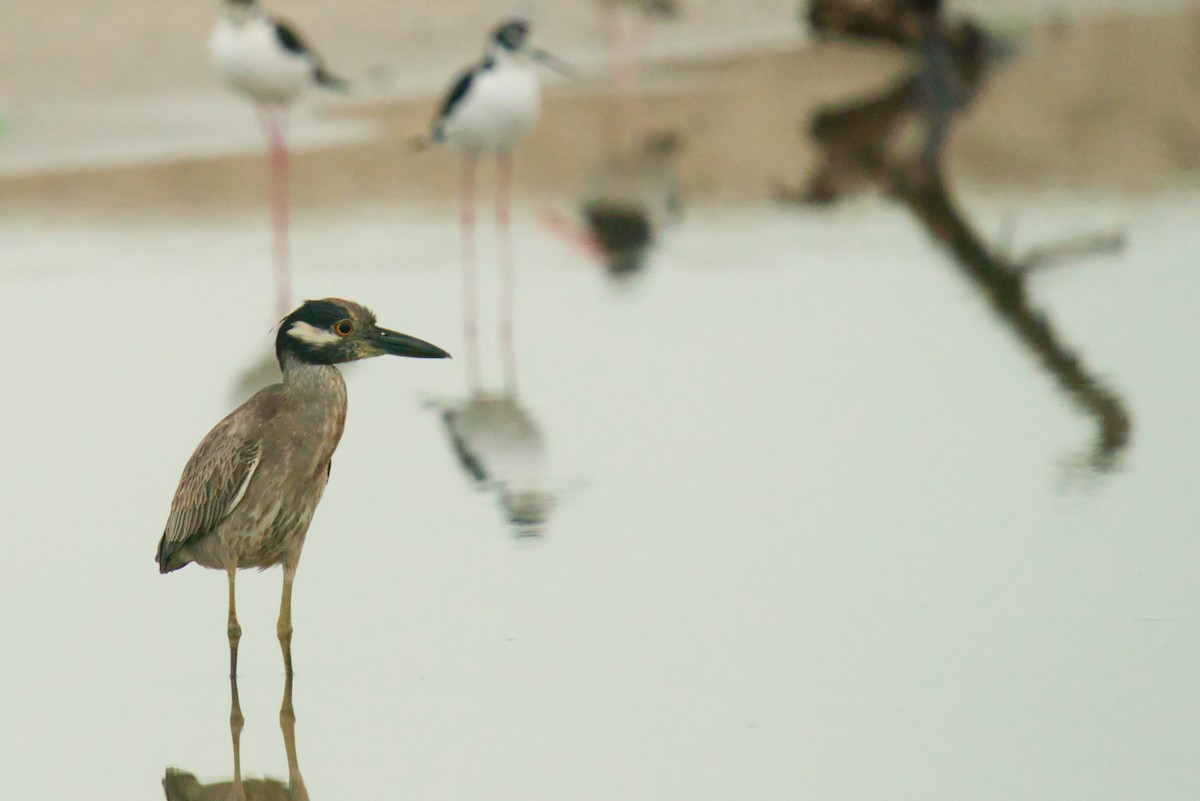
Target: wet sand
<point>1111,103</point>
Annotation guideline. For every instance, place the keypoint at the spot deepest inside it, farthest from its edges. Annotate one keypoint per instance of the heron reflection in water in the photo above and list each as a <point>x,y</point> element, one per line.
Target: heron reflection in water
<point>895,142</point>
<point>180,785</point>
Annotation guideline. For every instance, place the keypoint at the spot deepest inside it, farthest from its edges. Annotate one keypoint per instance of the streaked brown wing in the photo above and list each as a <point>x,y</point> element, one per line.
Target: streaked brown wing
<point>213,484</point>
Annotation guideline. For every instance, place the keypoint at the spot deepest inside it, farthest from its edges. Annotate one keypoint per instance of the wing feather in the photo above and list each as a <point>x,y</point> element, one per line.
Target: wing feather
<point>213,483</point>
<point>291,40</point>
<point>455,96</point>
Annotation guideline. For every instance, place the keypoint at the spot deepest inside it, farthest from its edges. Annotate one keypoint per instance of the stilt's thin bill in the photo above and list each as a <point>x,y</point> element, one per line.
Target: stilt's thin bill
<point>397,344</point>
<point>554,63</point>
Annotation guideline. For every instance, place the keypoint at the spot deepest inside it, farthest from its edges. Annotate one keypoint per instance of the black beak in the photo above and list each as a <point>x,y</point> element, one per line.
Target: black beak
<point>397,344</point>
<point>553,62</point>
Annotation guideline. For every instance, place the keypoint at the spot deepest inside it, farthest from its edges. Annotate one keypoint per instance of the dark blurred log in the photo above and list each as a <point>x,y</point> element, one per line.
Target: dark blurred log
<point>862,147</point>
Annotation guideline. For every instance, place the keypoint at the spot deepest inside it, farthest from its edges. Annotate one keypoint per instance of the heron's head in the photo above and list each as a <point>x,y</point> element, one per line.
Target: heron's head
<point>332,330</point>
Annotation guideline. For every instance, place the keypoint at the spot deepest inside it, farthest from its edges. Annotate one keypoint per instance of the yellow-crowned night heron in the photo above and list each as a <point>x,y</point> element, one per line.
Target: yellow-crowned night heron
<point>249,491</point>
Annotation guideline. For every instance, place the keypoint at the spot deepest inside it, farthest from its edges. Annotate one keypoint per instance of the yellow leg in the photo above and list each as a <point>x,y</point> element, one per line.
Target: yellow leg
<point>284,627</point>
<point>236,722</point>
<point>234,630</point>
<point>287,724</point>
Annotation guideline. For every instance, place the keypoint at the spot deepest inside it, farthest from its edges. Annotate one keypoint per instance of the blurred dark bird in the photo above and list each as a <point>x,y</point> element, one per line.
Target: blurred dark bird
<point>630,198</point>
<point>268,62</point>
<point>249,491</point>
<point>486,112</point>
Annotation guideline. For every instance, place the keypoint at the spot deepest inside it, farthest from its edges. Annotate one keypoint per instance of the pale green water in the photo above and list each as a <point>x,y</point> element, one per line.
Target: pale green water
<point>816,536</point>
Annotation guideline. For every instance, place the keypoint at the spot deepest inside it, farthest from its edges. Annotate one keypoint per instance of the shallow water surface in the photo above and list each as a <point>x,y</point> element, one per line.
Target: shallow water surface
<point>815,524</point>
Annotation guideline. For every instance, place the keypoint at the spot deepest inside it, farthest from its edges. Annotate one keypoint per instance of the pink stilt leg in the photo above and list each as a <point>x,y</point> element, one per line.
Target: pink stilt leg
<point>613,123</point>
<point>622,60</point>
<point>271,118</point>
<point>508,351</point>
<point>469,288</point>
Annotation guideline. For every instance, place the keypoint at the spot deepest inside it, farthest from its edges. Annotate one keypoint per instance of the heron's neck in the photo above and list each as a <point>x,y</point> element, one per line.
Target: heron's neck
<point>314,396</point>
<point>318,379</point>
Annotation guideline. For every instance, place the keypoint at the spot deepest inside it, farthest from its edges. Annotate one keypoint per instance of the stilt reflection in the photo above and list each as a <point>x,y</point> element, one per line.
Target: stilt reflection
<point>499,446</point>
<point>180,785</point>
<point>868,143</point>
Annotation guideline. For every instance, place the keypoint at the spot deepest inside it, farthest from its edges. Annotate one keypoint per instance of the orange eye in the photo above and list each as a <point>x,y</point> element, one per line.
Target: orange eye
<point>344,328</point>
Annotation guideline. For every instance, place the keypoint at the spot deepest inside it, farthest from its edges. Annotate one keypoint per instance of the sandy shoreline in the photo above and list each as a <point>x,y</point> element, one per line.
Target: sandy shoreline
<point>1109,104</point>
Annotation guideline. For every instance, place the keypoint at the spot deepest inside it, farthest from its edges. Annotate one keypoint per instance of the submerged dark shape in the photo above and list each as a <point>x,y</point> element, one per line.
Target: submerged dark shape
<point>862,147</point>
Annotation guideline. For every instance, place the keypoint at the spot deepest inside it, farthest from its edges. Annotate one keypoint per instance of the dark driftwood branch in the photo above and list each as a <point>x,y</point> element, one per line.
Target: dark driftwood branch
<point>1003,285</point>
<point>1106,243</point>
<point>858,148</point>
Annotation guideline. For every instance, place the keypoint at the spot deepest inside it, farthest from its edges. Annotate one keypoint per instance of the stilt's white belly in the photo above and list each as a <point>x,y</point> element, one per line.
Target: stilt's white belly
<point>500,107</point>
<point>250,59</point>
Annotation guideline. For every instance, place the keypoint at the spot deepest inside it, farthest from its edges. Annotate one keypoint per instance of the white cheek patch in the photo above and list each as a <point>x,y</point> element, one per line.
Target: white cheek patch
<point>311,335</point>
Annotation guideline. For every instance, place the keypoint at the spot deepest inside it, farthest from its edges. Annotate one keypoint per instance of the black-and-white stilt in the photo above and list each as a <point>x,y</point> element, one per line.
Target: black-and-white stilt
<point>487,111</point>
<point>267,61</point>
